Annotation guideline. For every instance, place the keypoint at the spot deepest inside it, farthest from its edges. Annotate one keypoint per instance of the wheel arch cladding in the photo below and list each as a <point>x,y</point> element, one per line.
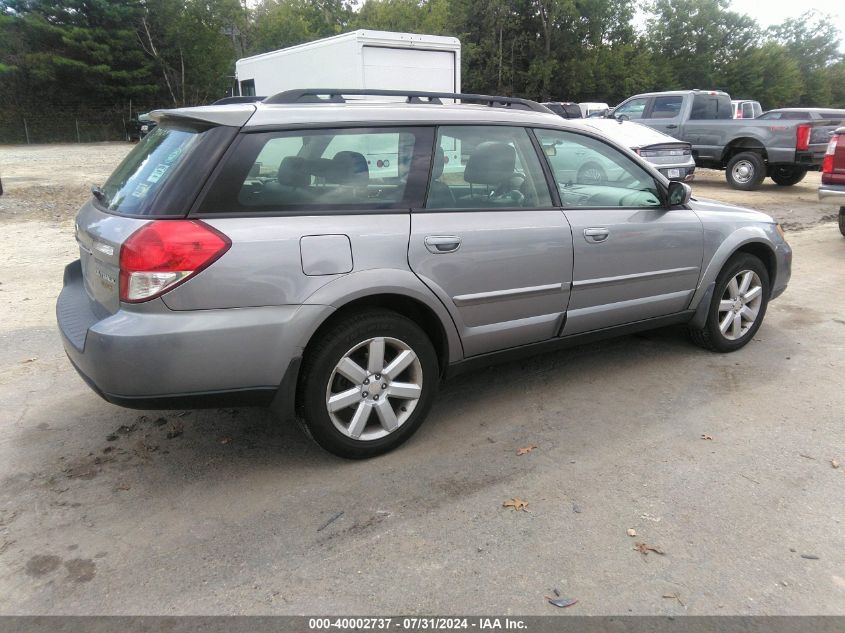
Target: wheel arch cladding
<point>749,239</point>
<point>412,309</point>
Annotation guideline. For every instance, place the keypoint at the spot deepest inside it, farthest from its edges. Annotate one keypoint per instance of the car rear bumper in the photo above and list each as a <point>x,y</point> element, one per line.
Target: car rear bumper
<point>154,357</point>
<point>832,192</point>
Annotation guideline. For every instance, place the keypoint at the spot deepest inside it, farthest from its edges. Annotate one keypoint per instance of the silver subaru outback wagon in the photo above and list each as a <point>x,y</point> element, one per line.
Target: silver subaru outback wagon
<point>335,255</point>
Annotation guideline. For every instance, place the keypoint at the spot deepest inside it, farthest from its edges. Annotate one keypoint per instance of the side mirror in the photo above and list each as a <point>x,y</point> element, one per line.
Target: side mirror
<point>679,193</point>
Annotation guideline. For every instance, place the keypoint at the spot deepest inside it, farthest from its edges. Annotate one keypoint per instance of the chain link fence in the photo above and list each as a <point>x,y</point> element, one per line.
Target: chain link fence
<point>70,125</point>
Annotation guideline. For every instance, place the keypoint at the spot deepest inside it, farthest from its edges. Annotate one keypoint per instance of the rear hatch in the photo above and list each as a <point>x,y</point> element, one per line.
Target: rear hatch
<point>159,179</point>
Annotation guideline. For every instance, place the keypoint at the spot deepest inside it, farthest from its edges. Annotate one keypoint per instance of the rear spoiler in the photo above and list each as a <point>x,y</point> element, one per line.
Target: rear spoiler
<point>233,115</point>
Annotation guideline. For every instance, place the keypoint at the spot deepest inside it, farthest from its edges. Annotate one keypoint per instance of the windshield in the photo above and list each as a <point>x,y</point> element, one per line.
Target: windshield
<point>133,186</point>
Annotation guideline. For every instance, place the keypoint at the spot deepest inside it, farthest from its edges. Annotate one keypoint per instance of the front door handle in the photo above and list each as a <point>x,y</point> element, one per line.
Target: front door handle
<point>439,244</point>
<point>596,234</point>
<point>671,126</point>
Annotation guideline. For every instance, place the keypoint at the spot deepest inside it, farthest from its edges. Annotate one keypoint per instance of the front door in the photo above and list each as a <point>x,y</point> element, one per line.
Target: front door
<point>634,259</point>
<point>489,242</point>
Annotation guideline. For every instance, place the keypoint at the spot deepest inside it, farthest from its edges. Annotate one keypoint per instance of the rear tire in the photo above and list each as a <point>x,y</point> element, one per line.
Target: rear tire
<point>788,175</point>
<point>842,221</point>
<point>738,306</point>
<point>367,384</point>
<point>745,171</point>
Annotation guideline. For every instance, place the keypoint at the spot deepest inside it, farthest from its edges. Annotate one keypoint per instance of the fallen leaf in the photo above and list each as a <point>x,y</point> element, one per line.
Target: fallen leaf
<point>29,360</point>
<point>561,602</point>
<point>704,436</point>
<point>834,463</point>
<point>516,503</point>
<point>523,451</point>
<point>631,532</point>
<point>123,487</point>
<point>644,549</point>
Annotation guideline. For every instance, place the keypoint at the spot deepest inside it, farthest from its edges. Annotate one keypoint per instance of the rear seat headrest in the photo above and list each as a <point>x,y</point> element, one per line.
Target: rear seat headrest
<point>293,172</point>
<point>349,168</point>
<point>490,164</point>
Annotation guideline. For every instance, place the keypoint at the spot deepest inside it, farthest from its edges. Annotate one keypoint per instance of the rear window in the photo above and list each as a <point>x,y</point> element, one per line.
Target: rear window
<point>786,115</point>
<point>330,170</point>
<point>709,107</point>
<point>135,185</point>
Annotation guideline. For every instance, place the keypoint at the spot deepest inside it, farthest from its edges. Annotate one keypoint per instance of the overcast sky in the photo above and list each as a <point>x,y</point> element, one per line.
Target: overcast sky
<point>769,12</point>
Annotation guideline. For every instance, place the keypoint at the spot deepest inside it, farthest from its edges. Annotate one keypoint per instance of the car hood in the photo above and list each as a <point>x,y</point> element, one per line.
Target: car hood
<point>704,206</point>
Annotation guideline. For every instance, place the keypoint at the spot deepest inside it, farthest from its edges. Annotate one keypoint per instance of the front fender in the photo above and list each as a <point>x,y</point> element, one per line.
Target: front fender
<point>730,245</point>
<point>380,281</point>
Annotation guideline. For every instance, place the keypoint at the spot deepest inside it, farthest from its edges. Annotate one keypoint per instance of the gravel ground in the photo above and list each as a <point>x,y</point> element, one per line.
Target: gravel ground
<point>723,463</point>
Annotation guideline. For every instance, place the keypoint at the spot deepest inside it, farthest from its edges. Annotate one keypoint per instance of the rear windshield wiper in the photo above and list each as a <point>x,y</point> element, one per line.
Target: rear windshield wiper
<point>99,194</point>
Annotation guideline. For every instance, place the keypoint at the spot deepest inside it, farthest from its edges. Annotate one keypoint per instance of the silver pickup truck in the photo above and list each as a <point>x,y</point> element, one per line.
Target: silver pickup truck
<point>747,149</point>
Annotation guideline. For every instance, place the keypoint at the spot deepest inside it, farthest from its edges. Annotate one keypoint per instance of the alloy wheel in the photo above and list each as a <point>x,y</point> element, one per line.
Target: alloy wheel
<point>740,304</point>
<point>374,388</point>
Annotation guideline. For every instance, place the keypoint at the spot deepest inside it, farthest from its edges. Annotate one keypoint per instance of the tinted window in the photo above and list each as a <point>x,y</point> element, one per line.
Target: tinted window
<point>366,169</point>
<point>707,106</point>
<point>135,185</point>
<point>666,107</point>
<point>248,87</point>
<point>633,109</point>
<point>486,167</point>
<point>833,114</point>
<point>782,115</point>
<point>590,173</point>
<point>747,110</point>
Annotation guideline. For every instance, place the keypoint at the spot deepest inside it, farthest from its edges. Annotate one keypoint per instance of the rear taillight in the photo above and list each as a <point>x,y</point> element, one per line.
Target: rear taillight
<point>802,136</point>
<point>164,253</point>
<point>827,163</point>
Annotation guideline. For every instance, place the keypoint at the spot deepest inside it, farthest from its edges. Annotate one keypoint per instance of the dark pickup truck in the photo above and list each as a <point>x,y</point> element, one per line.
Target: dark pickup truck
<point>747,149</point>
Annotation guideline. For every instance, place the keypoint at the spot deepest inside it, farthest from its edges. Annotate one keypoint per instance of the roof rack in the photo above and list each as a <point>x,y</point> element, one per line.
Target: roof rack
<point>336,95</point>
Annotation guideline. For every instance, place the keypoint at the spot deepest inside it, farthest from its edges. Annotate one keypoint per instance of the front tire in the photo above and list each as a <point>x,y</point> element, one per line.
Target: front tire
<point>367,384</point>
<point>591,173</point>
<point>738,306</point>
<point>788,175</point>
<point>745,171</point>
<point>842,221</point>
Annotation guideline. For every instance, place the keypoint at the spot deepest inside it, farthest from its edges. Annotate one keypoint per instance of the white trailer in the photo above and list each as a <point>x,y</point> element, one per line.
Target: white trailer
<point>360,59</point>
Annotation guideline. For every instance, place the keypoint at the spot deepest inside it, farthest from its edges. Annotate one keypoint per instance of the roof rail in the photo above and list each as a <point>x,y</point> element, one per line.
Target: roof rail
<point>335,95</point>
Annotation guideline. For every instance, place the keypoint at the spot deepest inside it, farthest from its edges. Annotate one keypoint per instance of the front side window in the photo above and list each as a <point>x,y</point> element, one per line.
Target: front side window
<point>590,173</point>
<point>634,109</point>
<point>373,168</point>
<point>478,167</point>
<point>666,107</point>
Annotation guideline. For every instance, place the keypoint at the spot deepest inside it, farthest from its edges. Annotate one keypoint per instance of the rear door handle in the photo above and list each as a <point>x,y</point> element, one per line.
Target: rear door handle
<point>439,244</point>
<point>596,234</point>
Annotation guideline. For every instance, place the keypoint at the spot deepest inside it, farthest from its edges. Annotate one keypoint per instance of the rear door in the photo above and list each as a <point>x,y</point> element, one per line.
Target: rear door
<point>489,241</point>
<point>634,259</point>
<point>664,114</point>
<point>433,71</point>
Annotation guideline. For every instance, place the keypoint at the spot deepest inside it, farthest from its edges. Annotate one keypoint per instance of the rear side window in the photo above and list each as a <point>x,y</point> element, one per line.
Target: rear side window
<point>708,107</point>
<point>135,187</point>
<point>666,107</point>
<point>323,170</point>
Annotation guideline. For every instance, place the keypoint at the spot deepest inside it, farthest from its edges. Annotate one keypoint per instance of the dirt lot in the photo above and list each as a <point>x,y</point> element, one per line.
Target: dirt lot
<point>724,463</point>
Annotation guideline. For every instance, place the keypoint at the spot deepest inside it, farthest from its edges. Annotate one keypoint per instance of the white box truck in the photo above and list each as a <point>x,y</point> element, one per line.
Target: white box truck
<point>360,59</point>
